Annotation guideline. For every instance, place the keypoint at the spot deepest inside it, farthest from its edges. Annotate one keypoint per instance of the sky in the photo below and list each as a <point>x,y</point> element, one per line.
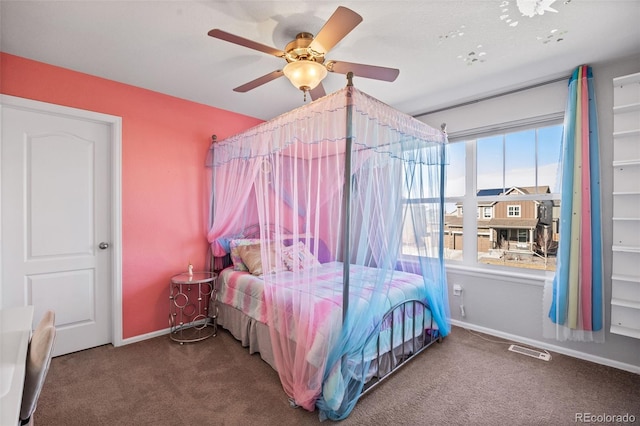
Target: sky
<point>512,153</point>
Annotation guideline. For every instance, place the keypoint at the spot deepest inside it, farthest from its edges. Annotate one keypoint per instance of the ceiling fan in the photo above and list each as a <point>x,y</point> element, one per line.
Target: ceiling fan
<point>305,56</point>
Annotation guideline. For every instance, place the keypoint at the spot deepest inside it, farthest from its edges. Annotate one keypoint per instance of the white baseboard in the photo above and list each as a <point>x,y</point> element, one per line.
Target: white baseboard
<point>142,337</point>
<point>151,335</point>
<point>550,347</point>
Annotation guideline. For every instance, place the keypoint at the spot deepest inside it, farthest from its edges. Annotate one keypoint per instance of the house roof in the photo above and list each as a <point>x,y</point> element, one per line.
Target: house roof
<point>543,189</point>
<point>489,192</point>
<point>512,223</point>
<point>453,221</point>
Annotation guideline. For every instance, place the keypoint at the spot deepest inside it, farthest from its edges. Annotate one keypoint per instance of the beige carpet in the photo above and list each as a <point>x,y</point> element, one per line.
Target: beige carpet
<point>465,380</point>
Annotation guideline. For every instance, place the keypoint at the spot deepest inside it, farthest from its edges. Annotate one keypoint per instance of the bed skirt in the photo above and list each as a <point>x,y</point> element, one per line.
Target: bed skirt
<point>255,335</point>
<point>250,332</point>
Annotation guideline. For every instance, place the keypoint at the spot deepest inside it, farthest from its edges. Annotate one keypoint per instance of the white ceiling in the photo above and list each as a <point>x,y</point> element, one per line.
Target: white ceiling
<point>163,45</point>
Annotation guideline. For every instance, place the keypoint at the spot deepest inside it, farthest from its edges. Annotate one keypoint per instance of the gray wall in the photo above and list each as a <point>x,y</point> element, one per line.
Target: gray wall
<point>510,305</point>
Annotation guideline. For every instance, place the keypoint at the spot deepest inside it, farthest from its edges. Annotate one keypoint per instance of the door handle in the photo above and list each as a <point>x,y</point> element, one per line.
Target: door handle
<point>103,245</point>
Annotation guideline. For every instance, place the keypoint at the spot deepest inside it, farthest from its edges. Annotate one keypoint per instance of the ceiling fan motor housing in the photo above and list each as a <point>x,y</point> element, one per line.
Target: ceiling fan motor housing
<point>298,49</point>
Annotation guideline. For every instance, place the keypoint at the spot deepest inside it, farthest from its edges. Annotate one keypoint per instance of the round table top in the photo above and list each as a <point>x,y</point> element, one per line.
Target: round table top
<point>195,278</point>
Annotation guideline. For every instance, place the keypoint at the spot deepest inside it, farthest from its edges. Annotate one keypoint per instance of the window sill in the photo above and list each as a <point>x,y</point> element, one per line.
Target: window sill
<point>534,278</point>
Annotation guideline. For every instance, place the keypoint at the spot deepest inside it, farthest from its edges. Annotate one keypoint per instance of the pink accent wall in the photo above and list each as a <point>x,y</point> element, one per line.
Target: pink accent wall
<point>164,181</point>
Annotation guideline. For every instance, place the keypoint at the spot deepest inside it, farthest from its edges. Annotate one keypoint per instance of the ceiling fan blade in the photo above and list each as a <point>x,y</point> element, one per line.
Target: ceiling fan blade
<point>318,92</point>
<point>362,70</point>
<point>339,25</point>
<point>223,35</point>
<point>259,81</point>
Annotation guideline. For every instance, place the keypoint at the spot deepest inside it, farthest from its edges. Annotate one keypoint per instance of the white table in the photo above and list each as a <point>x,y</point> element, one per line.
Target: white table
<point>15,332</point>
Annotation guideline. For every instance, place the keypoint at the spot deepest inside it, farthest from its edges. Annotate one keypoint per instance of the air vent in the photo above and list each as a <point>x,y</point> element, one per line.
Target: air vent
<point>530,352</point>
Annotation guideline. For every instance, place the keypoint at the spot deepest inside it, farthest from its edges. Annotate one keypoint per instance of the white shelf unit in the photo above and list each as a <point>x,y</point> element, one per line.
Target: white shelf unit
<point>625,279</point>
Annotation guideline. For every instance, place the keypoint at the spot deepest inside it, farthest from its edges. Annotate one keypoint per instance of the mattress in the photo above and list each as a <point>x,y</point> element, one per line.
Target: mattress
<point>245,292</point>
<point>243,311</point>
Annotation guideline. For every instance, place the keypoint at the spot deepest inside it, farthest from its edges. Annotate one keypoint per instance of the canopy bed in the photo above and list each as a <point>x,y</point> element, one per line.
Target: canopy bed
<point>326,227</point>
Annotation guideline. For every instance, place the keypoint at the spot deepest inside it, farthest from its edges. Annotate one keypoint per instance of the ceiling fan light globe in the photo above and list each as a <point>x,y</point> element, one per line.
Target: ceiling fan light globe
<point>305,75</point>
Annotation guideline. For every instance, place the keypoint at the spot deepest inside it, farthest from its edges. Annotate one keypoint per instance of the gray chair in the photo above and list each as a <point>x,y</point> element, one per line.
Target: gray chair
<point>37,366</point>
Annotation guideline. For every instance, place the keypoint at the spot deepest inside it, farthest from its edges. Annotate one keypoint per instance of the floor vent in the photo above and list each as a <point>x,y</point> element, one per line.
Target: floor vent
<point>530,352</point>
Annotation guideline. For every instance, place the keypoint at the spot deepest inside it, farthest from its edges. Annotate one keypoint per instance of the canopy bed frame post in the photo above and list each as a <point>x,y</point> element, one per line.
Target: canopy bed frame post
<point>443,158</point>
<point>211,258</point>
<point>214,138</point>
<point>215,264</point>
<point>346,199</point>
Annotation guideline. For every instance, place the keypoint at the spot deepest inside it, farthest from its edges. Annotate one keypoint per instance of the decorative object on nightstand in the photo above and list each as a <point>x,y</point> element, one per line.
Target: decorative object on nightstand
<point>189,296</point>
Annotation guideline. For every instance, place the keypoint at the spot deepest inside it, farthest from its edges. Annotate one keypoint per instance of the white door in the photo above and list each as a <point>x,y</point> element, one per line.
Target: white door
<point>56,220</point>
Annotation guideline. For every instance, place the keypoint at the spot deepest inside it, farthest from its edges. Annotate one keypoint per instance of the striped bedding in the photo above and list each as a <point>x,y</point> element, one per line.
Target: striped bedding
<point>245,292</point>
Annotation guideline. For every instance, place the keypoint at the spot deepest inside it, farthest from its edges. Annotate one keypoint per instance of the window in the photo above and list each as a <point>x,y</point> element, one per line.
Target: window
<point>511,178</point>
<point>522,236</point>
<point>484,212</point>
<point>421,212</point>
<point>454,196</point>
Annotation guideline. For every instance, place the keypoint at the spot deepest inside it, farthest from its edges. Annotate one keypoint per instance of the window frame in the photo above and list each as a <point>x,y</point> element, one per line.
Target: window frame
<point>470,201</point>
<point>514,210</point>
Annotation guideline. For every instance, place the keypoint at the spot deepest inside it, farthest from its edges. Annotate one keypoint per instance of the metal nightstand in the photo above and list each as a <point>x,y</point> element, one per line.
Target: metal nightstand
<point>189,297</point>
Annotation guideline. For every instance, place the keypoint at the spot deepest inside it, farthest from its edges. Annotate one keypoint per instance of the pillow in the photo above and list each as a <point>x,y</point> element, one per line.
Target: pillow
<point>323,254</point>
<point>298,257</point>
<point>238,264</point>
<point>252,259</point>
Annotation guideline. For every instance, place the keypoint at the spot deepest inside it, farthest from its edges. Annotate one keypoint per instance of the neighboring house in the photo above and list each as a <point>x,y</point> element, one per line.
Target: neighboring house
<point>509,226</point>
